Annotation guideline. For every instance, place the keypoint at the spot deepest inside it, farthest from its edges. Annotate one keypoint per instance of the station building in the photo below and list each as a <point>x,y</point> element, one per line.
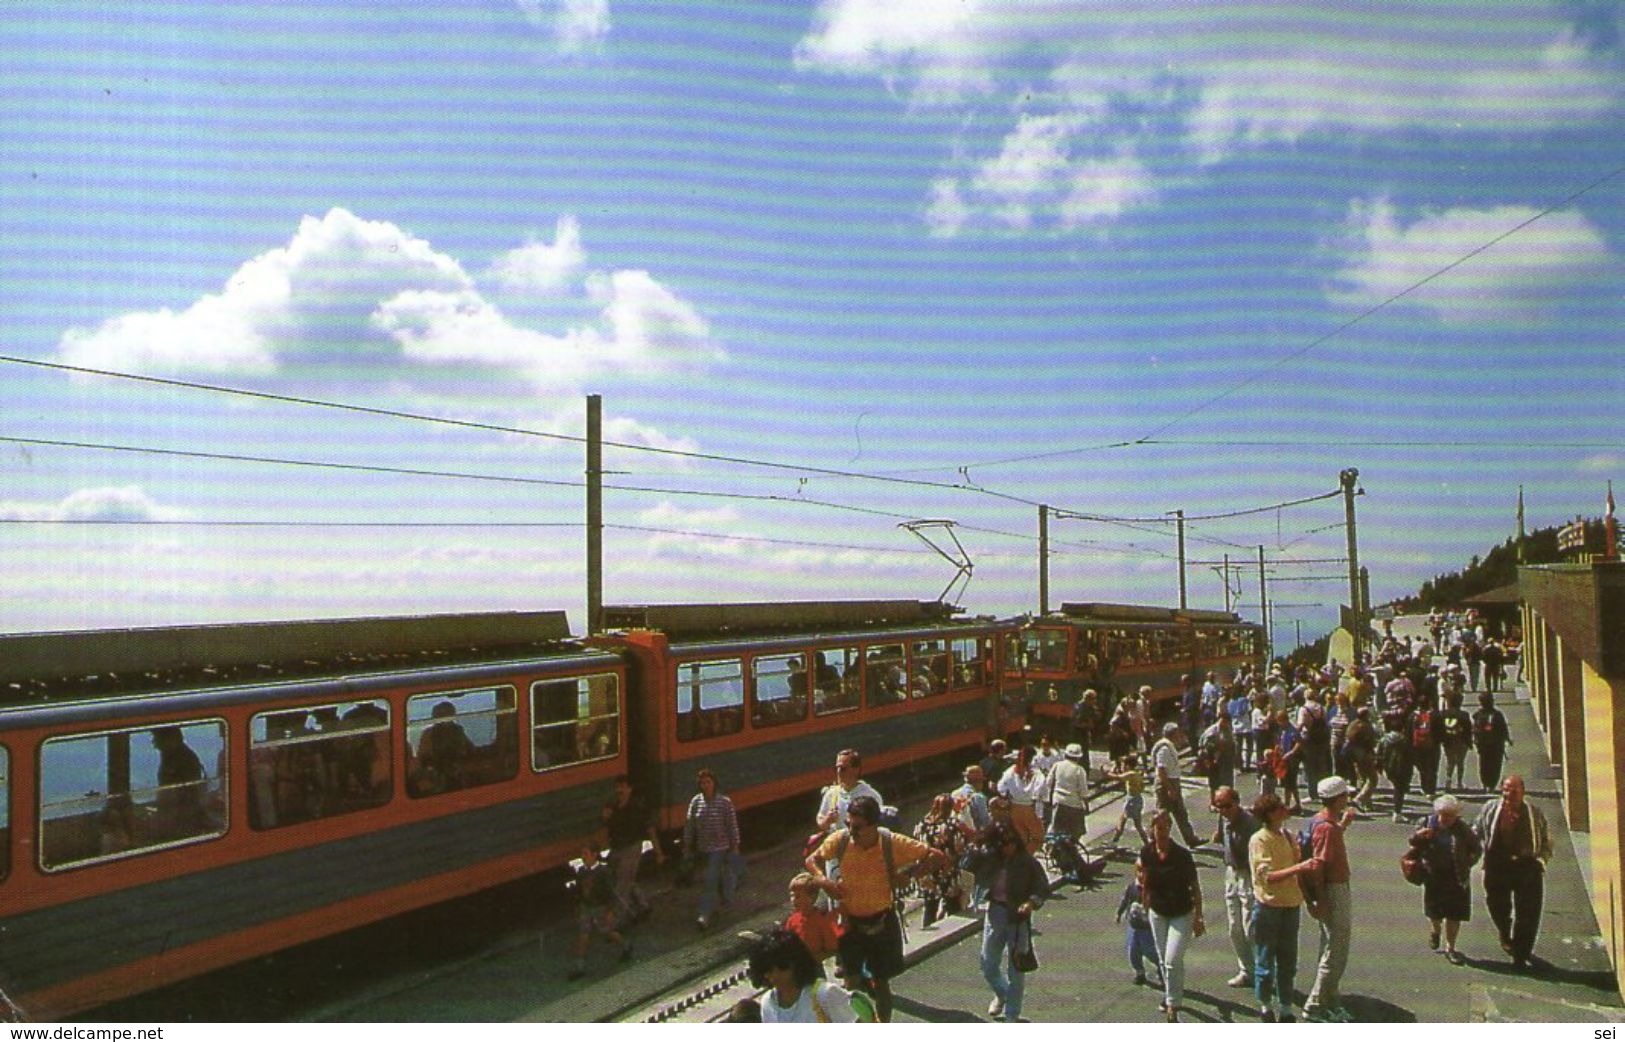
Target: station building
<point>1574,664</point>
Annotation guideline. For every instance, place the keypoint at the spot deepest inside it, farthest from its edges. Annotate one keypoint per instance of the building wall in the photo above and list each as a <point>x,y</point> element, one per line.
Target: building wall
<point>1575,640</point>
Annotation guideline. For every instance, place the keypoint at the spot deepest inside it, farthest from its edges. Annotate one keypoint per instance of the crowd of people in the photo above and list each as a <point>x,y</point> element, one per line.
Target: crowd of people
<point>1321,735</point>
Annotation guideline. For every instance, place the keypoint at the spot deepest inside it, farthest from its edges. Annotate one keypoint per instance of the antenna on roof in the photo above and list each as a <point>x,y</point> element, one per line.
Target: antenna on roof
<point>958,558</point>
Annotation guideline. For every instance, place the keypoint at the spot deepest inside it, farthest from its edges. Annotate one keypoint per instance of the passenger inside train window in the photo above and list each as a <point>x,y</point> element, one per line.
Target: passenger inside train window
<point>123,792</point>
<point>460,739</point>
<point>836,690</point>
<point>884,679</point>
<point>968,662</point>
<point>318,762</point>
<point>180,787</point>
<point>780,691</point>
<point>574,720</point>
<point>928,669</point>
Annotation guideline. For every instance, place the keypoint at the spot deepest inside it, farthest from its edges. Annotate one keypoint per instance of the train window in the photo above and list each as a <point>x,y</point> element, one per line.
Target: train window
<point>317,762</point>
<point>884,679</point>
<point>1015,656</point>
<point>460,739</point>
<point>835,683</point>
<point>970,661</point>
<point>928,669</point>
<point>574,720</point>
<point>118,793</point>
<point>780,691</point>
<point>710,699</point>
<point>5,812</point>
<point>1045,649</point>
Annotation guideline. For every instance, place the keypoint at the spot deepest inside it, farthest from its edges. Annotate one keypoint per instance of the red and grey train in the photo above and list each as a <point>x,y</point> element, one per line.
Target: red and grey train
<point>179,799</point>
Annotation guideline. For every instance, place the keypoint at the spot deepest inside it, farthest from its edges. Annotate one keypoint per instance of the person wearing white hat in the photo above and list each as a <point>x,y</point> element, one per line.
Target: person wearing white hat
<point>1066,792</point>
<point>1328,866</point>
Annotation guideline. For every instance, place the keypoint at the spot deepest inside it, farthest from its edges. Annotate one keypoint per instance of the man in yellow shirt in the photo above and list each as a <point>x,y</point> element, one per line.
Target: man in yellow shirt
<point>871,948</point>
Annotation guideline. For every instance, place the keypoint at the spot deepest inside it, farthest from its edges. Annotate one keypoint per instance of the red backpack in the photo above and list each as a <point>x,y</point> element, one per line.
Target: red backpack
<point>1422,730</point>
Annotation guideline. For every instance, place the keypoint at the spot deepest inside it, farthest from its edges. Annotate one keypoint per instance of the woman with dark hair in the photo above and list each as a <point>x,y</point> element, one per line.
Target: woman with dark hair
<point>1023,785</point>
<point>1015,885</point>
<point>942,829</point>
<point>797,992</point>
<point>1170,889</point>
<point>711,831</point>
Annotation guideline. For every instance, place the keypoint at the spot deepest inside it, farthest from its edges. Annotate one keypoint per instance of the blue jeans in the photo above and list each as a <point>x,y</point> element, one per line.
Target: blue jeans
<point>719,877</point>
<point>1173,933</point>
<point>1001,933</point>
<point>1142,948</point>
<point>1275,953</point>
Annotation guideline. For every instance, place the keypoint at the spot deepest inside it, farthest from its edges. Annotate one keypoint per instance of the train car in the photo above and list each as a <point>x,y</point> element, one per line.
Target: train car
<point>765,695</point>
<point>174,800</point>
<point>1115,649</point>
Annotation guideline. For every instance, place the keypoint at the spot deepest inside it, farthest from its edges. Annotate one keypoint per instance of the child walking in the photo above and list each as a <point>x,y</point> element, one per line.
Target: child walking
<point>1138,940</point>
<point>1133,798</point>
<point>595,897</point>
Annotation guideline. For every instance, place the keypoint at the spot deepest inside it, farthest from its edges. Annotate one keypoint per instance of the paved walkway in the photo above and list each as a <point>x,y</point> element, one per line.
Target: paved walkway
<point>1392,975</point>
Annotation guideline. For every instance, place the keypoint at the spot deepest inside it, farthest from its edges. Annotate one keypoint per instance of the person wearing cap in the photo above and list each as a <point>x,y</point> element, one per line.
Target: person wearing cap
<point>1165,768</point>
<point>1066,792</point>
<point>1328,868</point>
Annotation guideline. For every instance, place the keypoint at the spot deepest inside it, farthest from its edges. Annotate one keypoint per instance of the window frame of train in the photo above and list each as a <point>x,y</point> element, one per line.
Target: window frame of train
<point>1035,638</point>
<point>116,757</point>
<point>5,812</point>
<point>849,688</point>
<point>582,713</point>
<point>969,671</point>
<point>726,718</point>
<point>788,708</point>
<point>345,743</point>
<point>874,654</point>
<point>504,762</point>
<point>920,666</point>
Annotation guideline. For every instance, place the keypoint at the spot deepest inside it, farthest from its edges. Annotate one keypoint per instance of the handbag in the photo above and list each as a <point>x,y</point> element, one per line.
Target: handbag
<point>1412,868</point>
<point>1024,958</point>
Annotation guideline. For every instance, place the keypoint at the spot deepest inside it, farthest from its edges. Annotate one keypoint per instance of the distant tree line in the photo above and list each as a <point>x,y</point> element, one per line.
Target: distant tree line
<point>1482,574</point>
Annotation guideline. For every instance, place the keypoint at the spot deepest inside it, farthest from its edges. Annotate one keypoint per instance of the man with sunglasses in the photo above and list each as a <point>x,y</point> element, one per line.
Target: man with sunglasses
<point>1236,828</point>
<point>862,863</point>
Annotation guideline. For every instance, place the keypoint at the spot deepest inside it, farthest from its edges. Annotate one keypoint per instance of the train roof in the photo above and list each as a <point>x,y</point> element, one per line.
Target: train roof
<point>35,666</point>
<point>1098,611</point>
<point>689,622</point>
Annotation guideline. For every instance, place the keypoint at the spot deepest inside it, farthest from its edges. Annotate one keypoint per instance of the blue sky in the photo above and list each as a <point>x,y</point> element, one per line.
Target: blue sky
<point>1114,255</point>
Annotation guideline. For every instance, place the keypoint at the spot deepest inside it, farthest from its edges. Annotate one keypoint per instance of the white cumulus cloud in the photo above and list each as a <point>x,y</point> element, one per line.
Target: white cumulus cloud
<point>543,267</point>
<point>1127,77</point>
<point>358,303</point>
<point>576,25</point>
<point>1516,278</point>
<point>110,503</point>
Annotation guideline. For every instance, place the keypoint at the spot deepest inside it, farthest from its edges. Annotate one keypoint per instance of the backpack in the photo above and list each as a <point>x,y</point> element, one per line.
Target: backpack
<point>1306,850</point>
<point>1318,731</point>
<point>885,854</point>
<point>1422,730</point>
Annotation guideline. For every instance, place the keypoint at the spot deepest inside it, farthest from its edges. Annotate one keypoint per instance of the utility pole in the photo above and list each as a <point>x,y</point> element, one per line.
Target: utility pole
<point>1349,479</point>
<point>1264,604</point>
<point>1043,559</point>
<point>1179,515</point>
<point>1227,582</point>
<point>595,513</point>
